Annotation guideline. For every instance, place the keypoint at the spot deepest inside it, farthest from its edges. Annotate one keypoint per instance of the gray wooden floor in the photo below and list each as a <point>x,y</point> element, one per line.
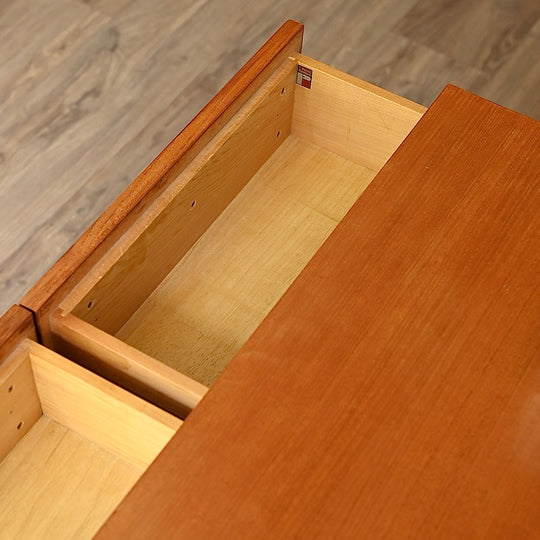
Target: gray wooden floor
<point>90,91</point>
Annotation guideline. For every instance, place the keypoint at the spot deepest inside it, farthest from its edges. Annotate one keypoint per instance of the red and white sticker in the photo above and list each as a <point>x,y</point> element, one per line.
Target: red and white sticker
<point>304,76</point>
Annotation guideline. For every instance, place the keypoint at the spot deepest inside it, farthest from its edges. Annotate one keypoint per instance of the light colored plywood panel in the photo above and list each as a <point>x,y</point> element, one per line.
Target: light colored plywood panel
<point>98,410</point>
<point>351,117</point>
<point>165,60</point>
<point>56,484</point>
<point>213,300</point>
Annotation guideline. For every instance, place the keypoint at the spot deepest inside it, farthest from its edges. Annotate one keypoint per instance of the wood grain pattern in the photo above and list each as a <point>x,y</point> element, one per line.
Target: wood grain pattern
<point>216,296</point>
<point>486,46</point>
<point>168,164</point>
<point>71,445</point>
<point>113,290</point>
<point>56,484</point>
<point>393,390</point>
<point>128,274</point>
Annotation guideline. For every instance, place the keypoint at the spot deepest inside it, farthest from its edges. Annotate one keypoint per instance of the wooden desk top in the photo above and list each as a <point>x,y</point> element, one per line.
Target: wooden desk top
<point>395,389</point>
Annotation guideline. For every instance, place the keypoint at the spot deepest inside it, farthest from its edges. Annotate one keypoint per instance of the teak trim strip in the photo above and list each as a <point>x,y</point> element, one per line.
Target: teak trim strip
<point>50,289</point>
<point>16,324</point>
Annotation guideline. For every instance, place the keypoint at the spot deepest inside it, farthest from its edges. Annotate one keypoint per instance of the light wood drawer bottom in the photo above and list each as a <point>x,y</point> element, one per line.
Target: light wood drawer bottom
<point>216,296</point>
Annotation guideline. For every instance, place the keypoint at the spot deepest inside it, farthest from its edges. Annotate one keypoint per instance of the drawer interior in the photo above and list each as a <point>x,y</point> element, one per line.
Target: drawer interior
<point>71,447</point>
<point>219,292</point>
<point>195,276</point>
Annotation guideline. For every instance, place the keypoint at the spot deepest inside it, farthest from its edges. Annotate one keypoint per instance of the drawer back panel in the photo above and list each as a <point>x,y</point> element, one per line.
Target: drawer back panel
<point>353,118</point>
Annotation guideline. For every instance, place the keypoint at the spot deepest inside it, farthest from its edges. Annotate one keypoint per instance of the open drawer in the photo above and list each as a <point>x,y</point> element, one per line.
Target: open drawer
<point>244,201</point>
<point>71,445</point>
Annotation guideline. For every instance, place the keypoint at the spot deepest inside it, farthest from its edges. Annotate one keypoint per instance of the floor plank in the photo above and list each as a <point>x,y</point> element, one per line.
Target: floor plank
<point>90,91</point>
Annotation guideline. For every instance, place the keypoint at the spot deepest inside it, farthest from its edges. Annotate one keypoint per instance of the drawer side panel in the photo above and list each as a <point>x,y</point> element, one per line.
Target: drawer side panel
<point>72,266</point>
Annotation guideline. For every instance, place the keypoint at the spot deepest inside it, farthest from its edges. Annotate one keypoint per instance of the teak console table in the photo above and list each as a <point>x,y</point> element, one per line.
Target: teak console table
<point>356,281</point>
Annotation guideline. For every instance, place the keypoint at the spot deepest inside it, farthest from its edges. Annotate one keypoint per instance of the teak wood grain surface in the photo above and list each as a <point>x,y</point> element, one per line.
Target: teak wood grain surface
<point>393,390</point>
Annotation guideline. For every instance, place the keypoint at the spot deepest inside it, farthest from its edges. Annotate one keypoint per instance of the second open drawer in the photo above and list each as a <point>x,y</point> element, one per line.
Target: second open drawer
<point>71,445</point>
<point>174,298</point>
